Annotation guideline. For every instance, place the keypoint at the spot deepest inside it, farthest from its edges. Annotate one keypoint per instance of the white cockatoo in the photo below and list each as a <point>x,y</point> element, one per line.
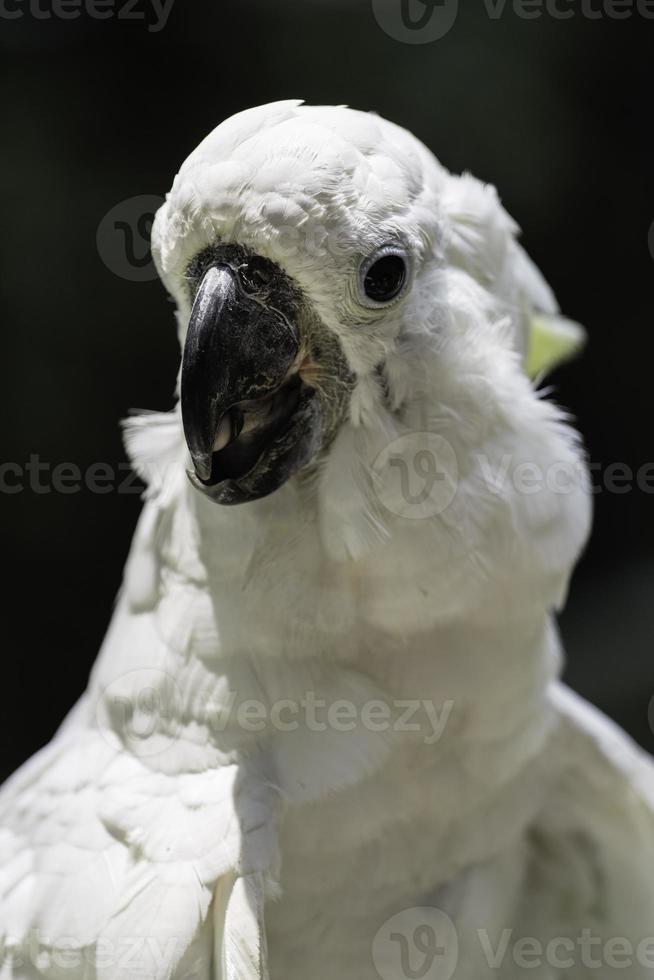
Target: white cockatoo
<point>325,736</point>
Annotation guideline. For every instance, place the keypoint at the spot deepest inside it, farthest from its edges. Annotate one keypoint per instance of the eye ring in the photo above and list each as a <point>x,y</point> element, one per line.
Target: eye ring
<point>384,276</point>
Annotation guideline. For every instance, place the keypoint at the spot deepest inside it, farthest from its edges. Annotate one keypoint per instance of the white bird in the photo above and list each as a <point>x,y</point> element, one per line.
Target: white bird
<point>325,736</point>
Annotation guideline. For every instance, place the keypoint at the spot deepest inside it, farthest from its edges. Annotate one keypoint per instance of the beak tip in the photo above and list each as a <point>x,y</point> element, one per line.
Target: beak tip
<point>202,466</point>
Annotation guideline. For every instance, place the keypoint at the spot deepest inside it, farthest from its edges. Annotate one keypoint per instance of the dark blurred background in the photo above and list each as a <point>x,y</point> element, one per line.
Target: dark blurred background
<point>556,113</point>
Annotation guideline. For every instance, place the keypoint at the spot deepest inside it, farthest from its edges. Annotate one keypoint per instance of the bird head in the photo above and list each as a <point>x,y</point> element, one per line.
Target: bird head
<point>292,240</point>
<point>339,290</point>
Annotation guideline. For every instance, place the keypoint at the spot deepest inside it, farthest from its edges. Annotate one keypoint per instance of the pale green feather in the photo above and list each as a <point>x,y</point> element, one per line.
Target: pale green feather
<point>552,340</point>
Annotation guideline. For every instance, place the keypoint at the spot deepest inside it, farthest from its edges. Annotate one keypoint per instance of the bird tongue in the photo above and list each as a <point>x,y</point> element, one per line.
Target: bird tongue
<point>246,429</point>
<point>229,429</point>
<point>247,418</point>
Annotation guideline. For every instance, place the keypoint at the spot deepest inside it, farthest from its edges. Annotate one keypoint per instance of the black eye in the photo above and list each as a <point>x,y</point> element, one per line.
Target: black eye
<point>385,278</point>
